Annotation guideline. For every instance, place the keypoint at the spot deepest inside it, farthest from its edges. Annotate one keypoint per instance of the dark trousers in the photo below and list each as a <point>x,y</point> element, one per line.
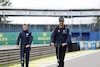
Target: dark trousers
<point>62,51</point>
<point>22,52</point>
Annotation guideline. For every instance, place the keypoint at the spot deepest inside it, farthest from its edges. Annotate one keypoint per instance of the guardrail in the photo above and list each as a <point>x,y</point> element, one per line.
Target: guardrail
<point>13,55</point>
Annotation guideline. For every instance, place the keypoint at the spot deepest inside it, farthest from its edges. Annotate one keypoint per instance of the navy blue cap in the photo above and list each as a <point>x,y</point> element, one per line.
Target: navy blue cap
<point>61,18</point>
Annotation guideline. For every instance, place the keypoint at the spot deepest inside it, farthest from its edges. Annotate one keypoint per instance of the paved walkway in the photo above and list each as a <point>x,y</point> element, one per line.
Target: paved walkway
<point>87,60</point>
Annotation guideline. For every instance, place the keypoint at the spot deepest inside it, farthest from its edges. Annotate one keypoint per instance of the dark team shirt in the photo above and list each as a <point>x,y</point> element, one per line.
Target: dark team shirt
<point>61,35</point>
<point>26,38</point>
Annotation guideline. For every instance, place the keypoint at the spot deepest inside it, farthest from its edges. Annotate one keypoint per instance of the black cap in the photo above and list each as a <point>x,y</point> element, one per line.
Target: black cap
<point>61,18</point>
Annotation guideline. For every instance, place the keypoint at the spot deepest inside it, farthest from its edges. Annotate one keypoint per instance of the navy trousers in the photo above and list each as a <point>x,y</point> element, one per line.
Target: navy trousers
<point>24,50</point>
<point>61,56</point>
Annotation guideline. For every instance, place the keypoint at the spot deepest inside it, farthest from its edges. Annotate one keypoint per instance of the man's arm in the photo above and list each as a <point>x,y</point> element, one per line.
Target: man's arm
<point>68,37</point>
<point>53,35</point>
<point>30,38</point>
<point>18,39</point>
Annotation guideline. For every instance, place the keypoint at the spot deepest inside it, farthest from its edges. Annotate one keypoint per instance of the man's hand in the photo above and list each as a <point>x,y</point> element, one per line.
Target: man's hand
<point>52,44</point>
<point>63,44</point>
<point>18,46</point>
<point>27,46</point>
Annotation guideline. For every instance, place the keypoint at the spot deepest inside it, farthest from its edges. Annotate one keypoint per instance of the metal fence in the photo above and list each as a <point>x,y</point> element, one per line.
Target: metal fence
<point>49,28</point>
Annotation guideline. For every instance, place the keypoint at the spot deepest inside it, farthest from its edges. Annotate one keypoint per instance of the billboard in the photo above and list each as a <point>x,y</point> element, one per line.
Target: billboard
<point>9,38</point>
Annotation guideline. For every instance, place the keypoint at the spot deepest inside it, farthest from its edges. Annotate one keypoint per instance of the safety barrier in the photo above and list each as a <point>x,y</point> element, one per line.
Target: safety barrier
<point>86,45</point>
<point>13,55</point>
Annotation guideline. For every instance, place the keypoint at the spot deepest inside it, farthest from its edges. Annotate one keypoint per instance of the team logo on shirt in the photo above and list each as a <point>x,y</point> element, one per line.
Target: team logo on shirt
<point>64,32</point>
<point>27,34</point>
<point>58,30</point>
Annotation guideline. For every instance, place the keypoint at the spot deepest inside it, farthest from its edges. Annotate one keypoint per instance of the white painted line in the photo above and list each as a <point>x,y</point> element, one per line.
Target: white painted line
<point>72,58</point>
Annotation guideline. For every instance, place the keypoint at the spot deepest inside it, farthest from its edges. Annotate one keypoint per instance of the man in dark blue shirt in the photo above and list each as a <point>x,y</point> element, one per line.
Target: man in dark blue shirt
<point>61,36</point>
<point>26,40</point>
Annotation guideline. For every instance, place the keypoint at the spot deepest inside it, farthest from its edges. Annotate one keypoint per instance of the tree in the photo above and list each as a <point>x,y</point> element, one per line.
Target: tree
<point>96,23</point>
<point>4,3</point>
<point>97,20</point>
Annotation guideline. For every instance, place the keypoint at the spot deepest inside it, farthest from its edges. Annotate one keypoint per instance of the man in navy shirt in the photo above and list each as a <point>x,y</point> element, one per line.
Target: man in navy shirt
<point>26,40</point>
<point>61,36</point>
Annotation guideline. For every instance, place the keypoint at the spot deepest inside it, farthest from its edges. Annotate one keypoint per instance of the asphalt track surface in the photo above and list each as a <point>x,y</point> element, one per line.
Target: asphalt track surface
<point>89,60</point>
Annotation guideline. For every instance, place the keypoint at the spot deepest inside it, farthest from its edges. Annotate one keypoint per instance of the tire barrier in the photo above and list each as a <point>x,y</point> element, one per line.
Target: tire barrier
<point>81,43</point>
<point>75,46</point>
<point>93,45</point>
<point>87,45</point>
<point>97,45</point>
